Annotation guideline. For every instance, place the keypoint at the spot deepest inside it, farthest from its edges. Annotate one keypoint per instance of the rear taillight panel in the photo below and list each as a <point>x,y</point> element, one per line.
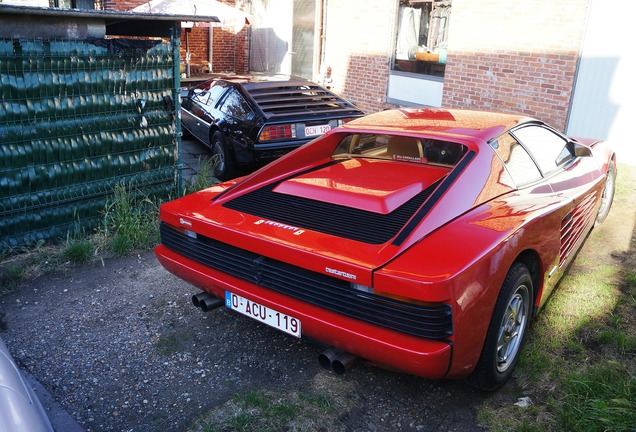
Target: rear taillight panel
<point>278,132</point>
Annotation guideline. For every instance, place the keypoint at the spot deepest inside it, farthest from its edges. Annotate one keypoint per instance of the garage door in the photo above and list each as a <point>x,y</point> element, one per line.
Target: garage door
<point>603,105</point>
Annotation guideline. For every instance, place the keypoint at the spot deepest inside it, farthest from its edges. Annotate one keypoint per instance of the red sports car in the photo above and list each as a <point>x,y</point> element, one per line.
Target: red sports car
<point>422,240</point>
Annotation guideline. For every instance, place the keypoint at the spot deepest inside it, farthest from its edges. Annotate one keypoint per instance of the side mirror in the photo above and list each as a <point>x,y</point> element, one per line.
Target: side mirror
<point>580,149</point>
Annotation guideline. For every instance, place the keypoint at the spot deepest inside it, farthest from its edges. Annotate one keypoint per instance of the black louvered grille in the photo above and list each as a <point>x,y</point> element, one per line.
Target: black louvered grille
<point>573,226</point>
<point>328,218</point>
<point>433,322</point>
<point>299,99</point>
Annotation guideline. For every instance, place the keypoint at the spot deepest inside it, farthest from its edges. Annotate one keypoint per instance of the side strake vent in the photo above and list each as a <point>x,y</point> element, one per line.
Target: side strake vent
<point>330,293</point>
<point>573,226</point>
<point>327,218</point>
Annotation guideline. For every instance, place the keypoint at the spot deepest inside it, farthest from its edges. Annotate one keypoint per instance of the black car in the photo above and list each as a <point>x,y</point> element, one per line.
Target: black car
<point>248,122</point>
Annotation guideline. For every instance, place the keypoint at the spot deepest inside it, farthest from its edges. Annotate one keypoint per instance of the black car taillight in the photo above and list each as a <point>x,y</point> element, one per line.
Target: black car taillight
<point>277,132</point>
<point>345,120</point>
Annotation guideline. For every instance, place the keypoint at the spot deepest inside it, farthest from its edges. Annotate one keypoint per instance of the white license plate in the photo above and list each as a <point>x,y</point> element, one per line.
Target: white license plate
<point>263,314</point>
<point>317,130</point>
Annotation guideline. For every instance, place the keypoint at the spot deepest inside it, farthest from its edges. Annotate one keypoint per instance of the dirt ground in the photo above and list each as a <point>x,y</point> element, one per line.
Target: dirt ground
<point>121,348</point>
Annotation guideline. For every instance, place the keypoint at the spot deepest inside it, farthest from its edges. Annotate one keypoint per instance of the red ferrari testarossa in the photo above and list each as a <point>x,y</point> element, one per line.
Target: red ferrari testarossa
<point>422,240</point>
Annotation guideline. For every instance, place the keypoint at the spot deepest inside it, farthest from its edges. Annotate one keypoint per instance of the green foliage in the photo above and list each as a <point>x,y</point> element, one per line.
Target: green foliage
<point>10,278</point>
<point>130,221</point>
<point>204,177</point>
<point>601,398</point>
<point>79,250</point>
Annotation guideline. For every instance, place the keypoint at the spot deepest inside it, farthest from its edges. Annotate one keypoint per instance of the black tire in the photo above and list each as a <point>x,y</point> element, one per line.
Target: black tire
<point>223,165</point>
<point>506,332</point>
<point>607,196</point>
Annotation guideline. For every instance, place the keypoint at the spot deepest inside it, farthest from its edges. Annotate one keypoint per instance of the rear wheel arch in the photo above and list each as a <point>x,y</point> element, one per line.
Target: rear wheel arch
<point>608,192</point>
<point>222,152</point>
<point>531,260</point>
<point>507,330</point>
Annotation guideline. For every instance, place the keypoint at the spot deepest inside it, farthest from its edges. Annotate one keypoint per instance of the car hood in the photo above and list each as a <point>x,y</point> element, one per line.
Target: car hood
<point>344,217</point>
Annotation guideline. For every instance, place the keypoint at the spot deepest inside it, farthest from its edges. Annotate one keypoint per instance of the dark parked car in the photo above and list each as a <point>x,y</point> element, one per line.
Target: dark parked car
<point>248,122</point>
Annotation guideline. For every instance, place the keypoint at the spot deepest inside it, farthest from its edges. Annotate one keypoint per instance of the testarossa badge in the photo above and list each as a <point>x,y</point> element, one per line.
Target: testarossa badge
<point>295,230</point>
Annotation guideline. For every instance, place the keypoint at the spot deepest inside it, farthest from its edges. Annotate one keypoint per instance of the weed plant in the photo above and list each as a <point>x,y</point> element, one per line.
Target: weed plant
<point>78,247</point>
<point>204,178</point>
<point>10,278</point>
<point>130,221</point>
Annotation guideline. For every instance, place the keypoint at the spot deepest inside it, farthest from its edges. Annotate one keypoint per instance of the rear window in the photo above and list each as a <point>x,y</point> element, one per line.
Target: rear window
<point>400,148</point>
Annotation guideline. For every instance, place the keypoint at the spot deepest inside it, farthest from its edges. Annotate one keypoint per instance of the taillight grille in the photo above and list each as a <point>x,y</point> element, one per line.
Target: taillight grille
<point>278,132</point>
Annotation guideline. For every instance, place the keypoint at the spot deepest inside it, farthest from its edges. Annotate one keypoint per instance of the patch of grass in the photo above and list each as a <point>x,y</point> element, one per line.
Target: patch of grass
<point>78,250</point>
<point>260,410</point>
<point>130,220</point>
<point>600,398</point>
<point>204,177</point>
<point>10,278</point>
<point>168,345</point>
<point>509,418</point>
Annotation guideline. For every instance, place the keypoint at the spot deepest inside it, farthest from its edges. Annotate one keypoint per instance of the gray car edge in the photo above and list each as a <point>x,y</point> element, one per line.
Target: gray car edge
<point>20,408</point>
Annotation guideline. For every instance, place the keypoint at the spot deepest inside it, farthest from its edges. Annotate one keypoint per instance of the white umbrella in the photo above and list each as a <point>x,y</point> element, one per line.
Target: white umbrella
<point>224,16</point>
<point>228,17</point>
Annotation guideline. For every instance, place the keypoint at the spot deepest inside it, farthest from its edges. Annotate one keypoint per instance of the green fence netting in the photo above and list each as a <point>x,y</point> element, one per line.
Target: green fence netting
<point>78,118</point>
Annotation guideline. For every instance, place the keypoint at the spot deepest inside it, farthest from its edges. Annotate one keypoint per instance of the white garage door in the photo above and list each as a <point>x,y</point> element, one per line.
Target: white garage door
<point>604,104</point>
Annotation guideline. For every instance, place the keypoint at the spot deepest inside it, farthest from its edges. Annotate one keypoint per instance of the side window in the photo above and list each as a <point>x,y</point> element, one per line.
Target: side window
<point>520,165</point>
<point>236,106</point>
<point>208,96</point>
<point>548,148</point>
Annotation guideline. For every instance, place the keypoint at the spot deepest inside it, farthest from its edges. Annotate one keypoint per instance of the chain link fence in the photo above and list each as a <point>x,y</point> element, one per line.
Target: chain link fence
<point>78,118</point>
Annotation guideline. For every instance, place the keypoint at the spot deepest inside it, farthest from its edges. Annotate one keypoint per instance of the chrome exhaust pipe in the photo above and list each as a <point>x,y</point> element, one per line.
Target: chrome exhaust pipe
<point>326,358</point>
<point>207,302</point>
<point>337,360</point>
<point>344,362</point>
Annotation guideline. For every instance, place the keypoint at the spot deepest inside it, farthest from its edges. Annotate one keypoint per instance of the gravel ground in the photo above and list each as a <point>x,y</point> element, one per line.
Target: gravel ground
<point>121,348</point>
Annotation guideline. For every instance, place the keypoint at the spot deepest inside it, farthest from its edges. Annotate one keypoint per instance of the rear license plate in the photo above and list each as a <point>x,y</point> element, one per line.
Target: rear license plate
<point>317,130</point>
<point>263,314</point>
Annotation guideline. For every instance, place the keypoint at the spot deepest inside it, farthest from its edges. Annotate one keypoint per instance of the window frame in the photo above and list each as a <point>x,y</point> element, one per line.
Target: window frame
<point>420,58</point>
<point>535,152</point>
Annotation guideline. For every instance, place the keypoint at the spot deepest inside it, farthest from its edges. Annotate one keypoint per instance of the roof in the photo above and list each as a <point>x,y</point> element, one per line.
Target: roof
<point>450,122</point>
<point>116,23</point>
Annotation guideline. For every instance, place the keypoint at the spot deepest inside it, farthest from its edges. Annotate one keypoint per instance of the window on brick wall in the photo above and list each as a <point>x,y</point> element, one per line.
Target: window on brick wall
<point>422,35</point>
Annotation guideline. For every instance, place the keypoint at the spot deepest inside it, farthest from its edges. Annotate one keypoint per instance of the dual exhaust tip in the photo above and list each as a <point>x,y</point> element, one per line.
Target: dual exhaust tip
<point>207,302</point>
<point>333,358</point>
<point>337,360</point>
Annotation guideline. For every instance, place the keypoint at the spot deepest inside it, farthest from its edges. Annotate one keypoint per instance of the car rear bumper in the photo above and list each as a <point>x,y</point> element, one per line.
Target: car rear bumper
<point>260,154</point>
<point>384,347</point>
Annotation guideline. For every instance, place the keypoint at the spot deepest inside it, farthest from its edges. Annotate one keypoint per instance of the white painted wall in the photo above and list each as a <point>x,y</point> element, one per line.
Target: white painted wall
<point>604,103</point>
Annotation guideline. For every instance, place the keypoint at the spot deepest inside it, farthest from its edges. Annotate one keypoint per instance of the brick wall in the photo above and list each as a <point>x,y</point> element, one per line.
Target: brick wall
<point>514,56</point>
<point>230,51</point>
<point>359,40</point>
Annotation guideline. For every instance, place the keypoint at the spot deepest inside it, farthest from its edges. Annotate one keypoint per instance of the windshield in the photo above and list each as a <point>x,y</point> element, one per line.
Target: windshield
<point>400,148</point>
